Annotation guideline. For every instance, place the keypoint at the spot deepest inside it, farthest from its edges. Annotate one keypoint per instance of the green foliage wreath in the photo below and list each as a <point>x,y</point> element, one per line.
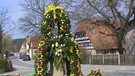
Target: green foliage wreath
<point>57,45</point>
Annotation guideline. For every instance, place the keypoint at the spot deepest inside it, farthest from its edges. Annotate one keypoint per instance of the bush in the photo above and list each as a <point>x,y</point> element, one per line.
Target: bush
<point>3,65</point>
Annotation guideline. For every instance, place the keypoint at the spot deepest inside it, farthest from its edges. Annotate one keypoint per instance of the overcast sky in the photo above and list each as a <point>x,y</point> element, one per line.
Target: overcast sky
<point>15,11</point>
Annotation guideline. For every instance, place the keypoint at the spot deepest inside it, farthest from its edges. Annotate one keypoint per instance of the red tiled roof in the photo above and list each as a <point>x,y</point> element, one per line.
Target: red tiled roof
<point>100,41</point>
<point>34,41</point>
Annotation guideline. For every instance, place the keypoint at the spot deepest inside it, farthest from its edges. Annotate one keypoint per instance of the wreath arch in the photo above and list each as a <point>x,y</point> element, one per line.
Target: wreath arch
<point>57,46</point>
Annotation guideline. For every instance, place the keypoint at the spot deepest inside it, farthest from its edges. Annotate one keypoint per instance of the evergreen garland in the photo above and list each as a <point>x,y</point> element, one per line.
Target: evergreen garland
<point>58,46</point>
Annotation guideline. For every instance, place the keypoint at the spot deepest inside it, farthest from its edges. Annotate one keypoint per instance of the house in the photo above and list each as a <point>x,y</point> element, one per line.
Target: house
<point>31,45</point>
<point>23,48</point>
<point>98,39</point>
<point>84,42</point>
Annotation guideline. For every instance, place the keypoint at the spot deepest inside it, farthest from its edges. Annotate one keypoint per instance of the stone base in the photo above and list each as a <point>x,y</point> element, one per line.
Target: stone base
<point>59,72</point>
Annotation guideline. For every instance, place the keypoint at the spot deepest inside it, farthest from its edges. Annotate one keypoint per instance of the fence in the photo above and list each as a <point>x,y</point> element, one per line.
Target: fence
<point>109,59</point>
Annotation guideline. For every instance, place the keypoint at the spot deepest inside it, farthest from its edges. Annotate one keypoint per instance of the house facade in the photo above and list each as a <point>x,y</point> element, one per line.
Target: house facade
<point>99,38</point>
<point>23,48</point>
<point>84,43</point>
<point>31,45</point>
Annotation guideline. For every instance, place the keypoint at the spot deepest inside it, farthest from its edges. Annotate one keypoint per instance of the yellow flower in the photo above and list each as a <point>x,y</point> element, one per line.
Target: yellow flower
<point>72,39</point>
<point>41,43</point>
<point>39,69</point>
<point>71,49</point>
<point>60,50</point>
<point>40,56</point>
<point>72,75</point>
<point>78,66</point>
<point>62,28</point>
<point>71,61</point>
<point>44,22</point>
<point>77,52</point>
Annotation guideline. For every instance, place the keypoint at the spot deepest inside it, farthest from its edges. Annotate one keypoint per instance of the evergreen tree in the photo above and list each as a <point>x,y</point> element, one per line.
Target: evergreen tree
<point>57,44</point>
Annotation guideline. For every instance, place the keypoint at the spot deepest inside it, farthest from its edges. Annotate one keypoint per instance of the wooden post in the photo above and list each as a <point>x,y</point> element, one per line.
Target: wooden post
<point>90,59</point>
<point>118,59</point>
<point>103,58</point>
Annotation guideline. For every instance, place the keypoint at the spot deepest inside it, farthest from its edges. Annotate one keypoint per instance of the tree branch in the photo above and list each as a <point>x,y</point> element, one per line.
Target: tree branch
<point>106,34</point>
<point>130,13</point>
<point>99,11</point>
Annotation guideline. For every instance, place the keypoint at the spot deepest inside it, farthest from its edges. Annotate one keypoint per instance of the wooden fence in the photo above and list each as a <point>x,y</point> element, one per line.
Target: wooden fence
<point>109,59</point>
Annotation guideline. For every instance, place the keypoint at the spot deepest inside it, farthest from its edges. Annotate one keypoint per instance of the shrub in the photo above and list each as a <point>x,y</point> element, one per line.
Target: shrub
<point>3,65</point>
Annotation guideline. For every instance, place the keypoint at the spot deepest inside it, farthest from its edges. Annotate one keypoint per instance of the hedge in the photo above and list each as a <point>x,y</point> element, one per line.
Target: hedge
<point>3,65</point>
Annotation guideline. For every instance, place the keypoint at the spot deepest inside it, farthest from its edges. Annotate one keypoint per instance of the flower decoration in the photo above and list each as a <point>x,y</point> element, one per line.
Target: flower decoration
<point>40,63</point>
<point>39,74</point>
<point>41,43</point>
<point>72,75</point>
<point>96,72</point>
<point>39,69</point>
<point>40,56</point>
<point>79,71</point>
<point>61,47</point>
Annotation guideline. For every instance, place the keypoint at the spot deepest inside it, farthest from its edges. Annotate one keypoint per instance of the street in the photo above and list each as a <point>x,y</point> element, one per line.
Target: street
<point>20,67</point>
<point>26,67</point>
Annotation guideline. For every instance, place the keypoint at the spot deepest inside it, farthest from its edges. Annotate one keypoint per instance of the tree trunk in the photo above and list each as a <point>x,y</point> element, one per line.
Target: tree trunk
<point>120,48</point>
<point>0,41</point>
<point>119,43</point>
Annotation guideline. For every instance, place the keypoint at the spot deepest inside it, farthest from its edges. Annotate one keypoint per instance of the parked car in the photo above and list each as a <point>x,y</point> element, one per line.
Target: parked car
<point>11,54</point>
<point>26,57</point>
<point>21,55</point>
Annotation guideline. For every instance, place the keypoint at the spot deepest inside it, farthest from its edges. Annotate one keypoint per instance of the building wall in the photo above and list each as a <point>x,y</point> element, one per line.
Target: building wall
<point>31,45</point>
<point>31,53</point>
<point>84,43</point>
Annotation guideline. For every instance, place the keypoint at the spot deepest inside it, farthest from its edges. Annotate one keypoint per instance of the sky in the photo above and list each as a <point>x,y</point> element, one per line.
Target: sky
<point>15,12</point>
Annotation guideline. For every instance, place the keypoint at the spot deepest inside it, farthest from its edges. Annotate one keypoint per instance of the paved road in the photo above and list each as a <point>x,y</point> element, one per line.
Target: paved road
<point>19,62</point>
<point>20,67</point>
<point>25,67</point>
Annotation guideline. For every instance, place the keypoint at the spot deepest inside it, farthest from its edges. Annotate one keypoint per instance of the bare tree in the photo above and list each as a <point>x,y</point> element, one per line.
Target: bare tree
<point>35,9</point>
<point>116,15</point>
<point>3,21</point>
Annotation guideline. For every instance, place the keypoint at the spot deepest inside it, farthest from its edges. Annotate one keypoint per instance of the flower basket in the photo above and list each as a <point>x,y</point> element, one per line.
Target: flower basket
<point>96,72</point>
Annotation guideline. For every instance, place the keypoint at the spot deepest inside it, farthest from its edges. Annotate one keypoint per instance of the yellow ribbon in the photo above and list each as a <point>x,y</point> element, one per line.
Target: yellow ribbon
<point>53,8</point>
